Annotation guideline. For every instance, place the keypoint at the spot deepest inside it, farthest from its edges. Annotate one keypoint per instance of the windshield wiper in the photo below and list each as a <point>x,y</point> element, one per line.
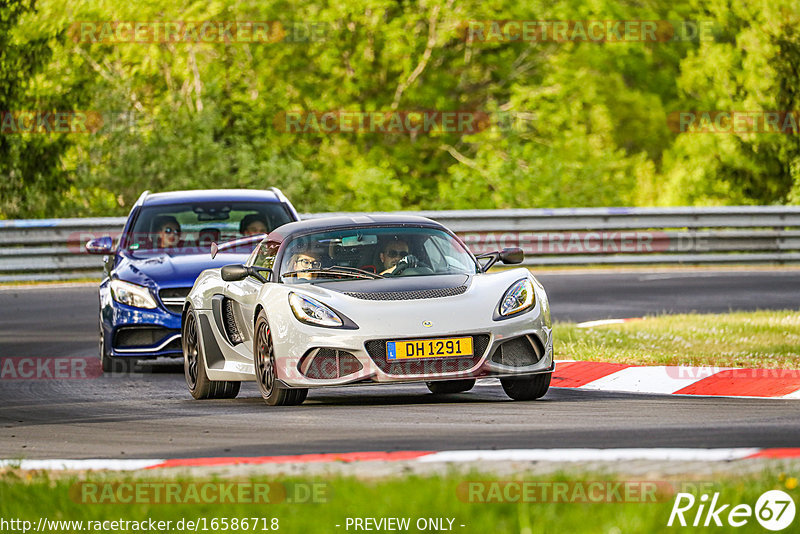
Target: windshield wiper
<point>337,270</point>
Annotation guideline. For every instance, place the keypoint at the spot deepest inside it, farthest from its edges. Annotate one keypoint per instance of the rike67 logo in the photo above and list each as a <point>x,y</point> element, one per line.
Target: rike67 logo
<point>774,510</point>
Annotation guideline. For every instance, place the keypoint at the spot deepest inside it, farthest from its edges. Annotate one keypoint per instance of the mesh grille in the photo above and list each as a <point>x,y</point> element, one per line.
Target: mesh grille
<point>377,351</point>
<point>329,363</point>
<point>140,336</point>
<point>517,352</point>
<point>231,327</point>
<point>409,295</point>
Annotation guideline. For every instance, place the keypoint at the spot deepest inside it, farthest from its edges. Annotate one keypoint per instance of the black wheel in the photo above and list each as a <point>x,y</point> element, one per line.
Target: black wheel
<point>528,387</point>
<point>194,365</point>
<point>111,364</point>
<point>445,387</point>
<point>266,374</point>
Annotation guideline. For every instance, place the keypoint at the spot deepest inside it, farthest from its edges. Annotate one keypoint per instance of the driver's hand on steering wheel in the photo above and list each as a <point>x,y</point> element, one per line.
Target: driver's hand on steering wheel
<point>407,261</point>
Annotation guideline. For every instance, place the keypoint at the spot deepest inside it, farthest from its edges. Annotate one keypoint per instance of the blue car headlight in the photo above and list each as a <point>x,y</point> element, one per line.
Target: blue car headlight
<point>519,297</point>
<point>132,295</point>
<point>311,311</point>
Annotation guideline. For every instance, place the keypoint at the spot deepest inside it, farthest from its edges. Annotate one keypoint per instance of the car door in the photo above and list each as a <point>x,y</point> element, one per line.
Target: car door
<point>243,294</point>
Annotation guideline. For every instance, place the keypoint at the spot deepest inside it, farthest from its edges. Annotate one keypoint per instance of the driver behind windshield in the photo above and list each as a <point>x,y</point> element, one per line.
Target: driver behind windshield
<point>168,231</point>
<point>393,252</point>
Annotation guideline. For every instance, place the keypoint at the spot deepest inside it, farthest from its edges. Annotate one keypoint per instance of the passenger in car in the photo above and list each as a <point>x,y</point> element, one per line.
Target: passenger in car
<point>253,224</point>
<point>302,261</point>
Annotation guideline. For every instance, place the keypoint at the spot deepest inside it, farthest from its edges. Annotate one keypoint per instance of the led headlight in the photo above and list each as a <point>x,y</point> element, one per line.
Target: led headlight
<point>519,297</point>
<point>310,311</point>
<point>132,295</point>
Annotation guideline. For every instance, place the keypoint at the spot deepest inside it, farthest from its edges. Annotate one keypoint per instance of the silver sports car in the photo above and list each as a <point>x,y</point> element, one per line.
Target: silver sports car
<point>365,300</point>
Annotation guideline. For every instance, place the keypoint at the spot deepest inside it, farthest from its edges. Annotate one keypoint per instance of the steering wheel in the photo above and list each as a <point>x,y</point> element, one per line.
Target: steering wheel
<point>410,264</point>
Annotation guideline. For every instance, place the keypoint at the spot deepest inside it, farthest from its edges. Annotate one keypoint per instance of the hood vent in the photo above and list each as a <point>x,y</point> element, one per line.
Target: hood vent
<point>409,295</point>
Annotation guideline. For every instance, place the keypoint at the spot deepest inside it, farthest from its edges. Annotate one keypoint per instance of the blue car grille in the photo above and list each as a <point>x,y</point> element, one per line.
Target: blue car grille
<point>174,297</point>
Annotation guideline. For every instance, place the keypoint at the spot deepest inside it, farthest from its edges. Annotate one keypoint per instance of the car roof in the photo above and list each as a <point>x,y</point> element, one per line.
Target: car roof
<point>344,221</point>
<point>210,195</point>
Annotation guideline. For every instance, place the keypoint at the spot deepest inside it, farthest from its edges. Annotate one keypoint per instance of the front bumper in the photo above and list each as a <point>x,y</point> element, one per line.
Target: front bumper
<point>139,333</point>
<point>518,347</point>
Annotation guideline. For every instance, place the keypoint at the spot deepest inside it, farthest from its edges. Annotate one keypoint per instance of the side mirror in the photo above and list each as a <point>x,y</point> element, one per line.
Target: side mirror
<point>234,273</point>
<point>237,272</point>
<point>512,255</point>
<point>101,245</point>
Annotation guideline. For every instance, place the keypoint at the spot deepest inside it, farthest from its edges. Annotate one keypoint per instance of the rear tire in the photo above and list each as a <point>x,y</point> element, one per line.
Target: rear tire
<point>266,371</point>
<point>446,387</point>
<point>527,388</point>
<point>194,365</point>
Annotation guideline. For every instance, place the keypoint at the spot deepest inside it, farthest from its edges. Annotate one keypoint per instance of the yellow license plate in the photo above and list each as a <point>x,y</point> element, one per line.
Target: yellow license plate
<point>429,348</point>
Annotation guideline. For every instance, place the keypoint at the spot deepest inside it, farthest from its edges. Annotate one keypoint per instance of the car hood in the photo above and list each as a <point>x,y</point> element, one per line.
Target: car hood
<point>162,269</point>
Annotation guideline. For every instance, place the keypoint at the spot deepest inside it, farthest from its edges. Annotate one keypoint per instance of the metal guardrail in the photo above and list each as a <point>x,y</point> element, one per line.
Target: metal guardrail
<point>52,249</point>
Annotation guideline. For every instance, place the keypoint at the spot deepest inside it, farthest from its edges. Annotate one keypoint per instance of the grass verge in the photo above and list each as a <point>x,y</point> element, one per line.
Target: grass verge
<point>512,507</point>
<point>762,339</point>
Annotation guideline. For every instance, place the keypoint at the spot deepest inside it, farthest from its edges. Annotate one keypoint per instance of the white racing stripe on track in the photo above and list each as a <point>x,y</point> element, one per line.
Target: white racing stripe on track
<point>656,379</point>
<point>588,455</point>
<point>80,465</point>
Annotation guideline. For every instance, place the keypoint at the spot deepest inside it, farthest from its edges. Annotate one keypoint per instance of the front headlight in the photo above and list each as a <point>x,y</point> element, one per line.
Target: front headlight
<point>132,295</point>
<point>519,297</point>
<point>310,311</point>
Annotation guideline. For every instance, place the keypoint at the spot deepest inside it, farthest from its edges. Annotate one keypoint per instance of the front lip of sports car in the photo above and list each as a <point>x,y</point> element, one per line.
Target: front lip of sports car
<point>400,320</point>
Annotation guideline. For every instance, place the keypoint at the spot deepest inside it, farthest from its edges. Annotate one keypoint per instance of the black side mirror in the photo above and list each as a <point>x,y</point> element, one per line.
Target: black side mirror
<point>512,255</point>
<point>234,273</point>
<point>101,245</point>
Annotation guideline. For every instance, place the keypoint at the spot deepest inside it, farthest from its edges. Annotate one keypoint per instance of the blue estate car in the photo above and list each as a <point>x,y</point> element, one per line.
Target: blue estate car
<point>164,245</point>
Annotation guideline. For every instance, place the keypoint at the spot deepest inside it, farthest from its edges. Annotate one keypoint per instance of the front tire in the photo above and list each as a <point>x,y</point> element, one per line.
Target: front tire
<point>194,365</point>
<point>528,387</point>
<point>446,387</point>
<point>266,370</point>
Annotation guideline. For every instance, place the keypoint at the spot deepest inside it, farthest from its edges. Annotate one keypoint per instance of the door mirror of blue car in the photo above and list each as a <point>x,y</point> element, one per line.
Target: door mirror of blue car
<point>101,245</point>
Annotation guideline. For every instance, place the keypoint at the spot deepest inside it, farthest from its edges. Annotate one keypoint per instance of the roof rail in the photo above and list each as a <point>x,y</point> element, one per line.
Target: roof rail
<point>142,197</point>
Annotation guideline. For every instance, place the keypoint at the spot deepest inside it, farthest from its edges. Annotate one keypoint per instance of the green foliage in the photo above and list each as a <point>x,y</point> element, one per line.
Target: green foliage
<point>573,124</point>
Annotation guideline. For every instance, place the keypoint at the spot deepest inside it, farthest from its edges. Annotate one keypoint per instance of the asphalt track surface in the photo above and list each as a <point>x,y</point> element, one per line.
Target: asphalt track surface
<point>150,414</point>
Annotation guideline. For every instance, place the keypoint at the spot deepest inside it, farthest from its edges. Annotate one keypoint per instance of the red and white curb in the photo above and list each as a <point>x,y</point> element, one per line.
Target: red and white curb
<point>675,380</point>
<point>678,380</point>
<point>507,455</point>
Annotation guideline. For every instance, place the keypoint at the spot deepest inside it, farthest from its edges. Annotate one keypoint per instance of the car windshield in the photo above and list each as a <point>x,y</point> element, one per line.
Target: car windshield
<point>190,228</point>
<point>373,253</point>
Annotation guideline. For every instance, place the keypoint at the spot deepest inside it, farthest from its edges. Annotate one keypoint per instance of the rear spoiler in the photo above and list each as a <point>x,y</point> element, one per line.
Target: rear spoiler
<point>249,240</point>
